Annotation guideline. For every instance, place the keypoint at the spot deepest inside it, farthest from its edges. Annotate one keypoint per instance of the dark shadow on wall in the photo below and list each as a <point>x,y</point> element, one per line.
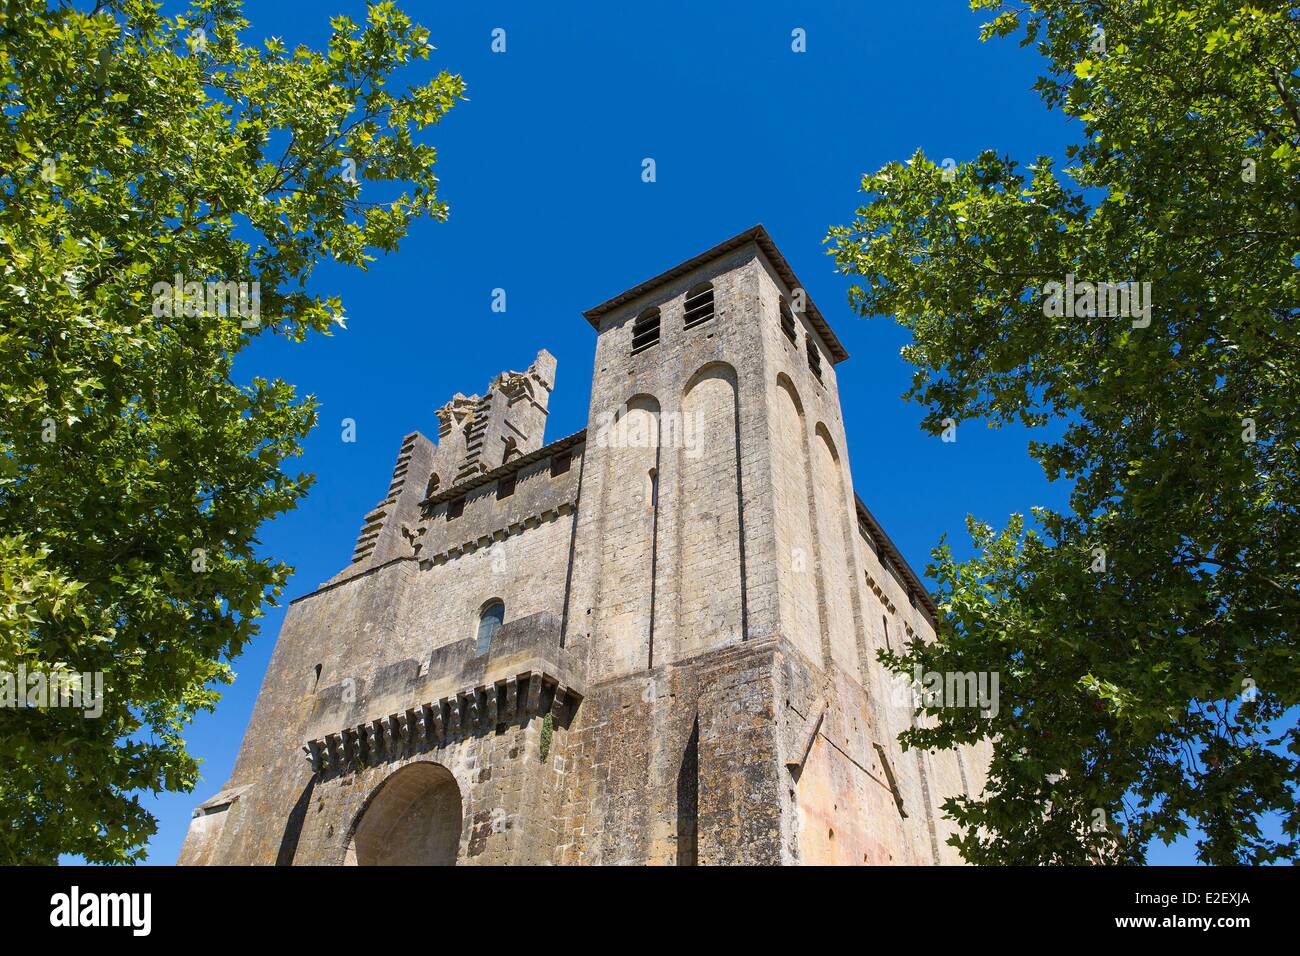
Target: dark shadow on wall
<point>293,826</point>
<point>688,799</point>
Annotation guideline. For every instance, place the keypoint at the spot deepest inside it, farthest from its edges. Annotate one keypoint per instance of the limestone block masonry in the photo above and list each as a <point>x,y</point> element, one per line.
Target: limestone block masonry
<point>651,642</point>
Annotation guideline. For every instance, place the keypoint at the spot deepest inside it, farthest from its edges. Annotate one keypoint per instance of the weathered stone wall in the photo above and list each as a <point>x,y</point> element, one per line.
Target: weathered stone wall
<point>712,583</point>
<point>707,532</point>
<point>928,777</point>
<point>620,619</point>
<point>393,637</point>
<point>861,799</point>
<point>796,556</point>
<point>271,783</point>
<point>499,747</point>
<point>677,765</point>
<point>515,549</point>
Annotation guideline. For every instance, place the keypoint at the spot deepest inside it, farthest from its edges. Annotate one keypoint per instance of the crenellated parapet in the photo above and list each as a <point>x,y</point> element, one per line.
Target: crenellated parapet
<point>478,433</point>
<point>387,528</point>
<point>457,413</point>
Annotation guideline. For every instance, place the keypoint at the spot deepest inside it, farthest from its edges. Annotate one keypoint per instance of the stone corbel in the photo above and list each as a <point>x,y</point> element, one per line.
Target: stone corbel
<point>557,703</point>
<point>453,716</point>
<point>512,697</point>
<point>435,714</point>
<point>471,709</point>
<point>534,692</point>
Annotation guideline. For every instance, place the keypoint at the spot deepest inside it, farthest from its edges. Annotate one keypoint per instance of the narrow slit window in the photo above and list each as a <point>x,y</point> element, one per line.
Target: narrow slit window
<point>699,305</point>
<point>645,331</point>
<point>814,359</point>
<point>787,321</point>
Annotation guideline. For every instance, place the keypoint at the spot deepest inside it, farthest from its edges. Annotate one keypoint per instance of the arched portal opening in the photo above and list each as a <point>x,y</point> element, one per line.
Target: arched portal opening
<point>413,819</point>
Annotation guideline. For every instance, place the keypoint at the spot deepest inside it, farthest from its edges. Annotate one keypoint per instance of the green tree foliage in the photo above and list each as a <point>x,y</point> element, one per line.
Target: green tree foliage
<point>134,471</point>
<point>1128,632</point>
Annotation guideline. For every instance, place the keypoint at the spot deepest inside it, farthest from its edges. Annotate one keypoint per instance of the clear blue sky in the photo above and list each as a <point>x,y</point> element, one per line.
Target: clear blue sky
<point>542,169</point>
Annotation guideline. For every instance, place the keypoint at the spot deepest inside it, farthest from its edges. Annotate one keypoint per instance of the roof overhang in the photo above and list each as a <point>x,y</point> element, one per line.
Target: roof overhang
<point>913,581</point>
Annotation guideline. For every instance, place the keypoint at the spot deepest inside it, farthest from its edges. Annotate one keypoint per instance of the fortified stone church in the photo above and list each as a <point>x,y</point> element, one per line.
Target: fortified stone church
<point>653,641</point>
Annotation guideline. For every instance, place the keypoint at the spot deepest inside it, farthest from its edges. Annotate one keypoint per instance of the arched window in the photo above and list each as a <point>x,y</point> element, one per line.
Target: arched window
<point>432,487</point>
<point>489,620</point>
<point>645,330</point>
<point>699,304</point>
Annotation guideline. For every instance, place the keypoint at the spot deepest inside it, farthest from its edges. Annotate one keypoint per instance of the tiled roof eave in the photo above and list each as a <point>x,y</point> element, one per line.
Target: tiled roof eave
<point>912,579</point>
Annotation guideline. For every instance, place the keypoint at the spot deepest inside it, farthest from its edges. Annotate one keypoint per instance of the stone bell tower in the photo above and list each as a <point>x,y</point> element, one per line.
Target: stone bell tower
<point>732,591</point>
